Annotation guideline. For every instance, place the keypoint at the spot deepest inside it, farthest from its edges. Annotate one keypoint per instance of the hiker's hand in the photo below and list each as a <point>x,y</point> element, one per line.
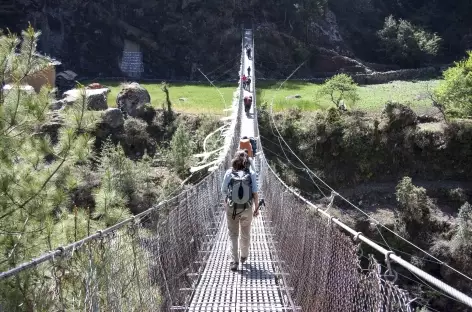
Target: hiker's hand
<point>256,211</point>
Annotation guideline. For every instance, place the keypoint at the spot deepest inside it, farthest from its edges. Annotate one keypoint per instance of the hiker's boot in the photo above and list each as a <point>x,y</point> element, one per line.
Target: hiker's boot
<point>243,259</point>
<point>234,266</point>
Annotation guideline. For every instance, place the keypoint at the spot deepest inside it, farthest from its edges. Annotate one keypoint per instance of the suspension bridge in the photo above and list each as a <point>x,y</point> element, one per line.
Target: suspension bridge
<point>174,256</point>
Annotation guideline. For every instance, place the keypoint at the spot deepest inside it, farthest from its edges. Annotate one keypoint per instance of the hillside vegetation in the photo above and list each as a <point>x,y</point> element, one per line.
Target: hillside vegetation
<point>408,170</point>
<point>177,37</point>
<point>66,173</point>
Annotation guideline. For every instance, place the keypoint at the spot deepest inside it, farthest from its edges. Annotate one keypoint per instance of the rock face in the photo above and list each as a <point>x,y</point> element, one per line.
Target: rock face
<point>52,126</point>
<point>96,98</point>
<point>113,118</point>
<point>132,98</point>
<point>97,101</point>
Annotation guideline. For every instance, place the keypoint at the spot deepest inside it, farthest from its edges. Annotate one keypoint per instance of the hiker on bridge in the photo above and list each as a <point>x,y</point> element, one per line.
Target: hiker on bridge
<point>247,103</point>
<point>250,161</point>
<point>240,187</point>
<point>244,81</point>
<point>249,144</point>
<point>249,71</point>
<point>248,84</point>
<point>248,51</point>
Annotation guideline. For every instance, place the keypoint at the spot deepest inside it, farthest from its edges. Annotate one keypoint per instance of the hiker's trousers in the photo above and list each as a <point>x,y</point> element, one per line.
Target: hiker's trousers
<point>239,229</point>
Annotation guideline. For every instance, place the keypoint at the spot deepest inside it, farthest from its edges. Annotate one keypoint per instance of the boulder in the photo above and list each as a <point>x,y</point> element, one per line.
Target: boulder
<point>132,98</point>
<point>399,116</point>
<point>97,101</point>
<point>113,117</point>
<point>96,98</point>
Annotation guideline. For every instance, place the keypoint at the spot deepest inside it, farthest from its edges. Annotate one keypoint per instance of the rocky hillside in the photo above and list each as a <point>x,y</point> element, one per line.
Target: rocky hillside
<point>179,36</point>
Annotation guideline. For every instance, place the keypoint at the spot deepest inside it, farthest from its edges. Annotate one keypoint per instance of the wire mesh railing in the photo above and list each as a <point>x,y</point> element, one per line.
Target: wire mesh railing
<point>322,263</point>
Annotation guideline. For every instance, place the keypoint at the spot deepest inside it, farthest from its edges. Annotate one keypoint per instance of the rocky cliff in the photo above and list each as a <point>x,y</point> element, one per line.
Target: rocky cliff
<point>179,36</point>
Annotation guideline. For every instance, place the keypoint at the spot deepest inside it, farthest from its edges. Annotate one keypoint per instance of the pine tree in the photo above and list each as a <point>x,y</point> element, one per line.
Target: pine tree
<point>36,169</point>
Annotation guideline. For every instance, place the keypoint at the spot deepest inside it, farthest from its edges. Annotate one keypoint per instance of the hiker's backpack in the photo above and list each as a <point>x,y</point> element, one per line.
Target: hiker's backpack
<point>240,187</point>
<point>246,144</point>
<point>253,144</point>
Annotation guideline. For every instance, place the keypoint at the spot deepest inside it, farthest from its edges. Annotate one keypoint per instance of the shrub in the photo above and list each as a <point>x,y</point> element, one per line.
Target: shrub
<point>124,183</point>
<point>181,148</point>
<point>455,90</point>
<point>136,140</point>
<point>414,207</point>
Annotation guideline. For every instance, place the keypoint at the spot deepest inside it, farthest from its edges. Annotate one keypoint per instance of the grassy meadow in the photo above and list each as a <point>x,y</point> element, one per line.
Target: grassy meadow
<point>372,97</point>
<point>205,99</point>
<point>199,98</point>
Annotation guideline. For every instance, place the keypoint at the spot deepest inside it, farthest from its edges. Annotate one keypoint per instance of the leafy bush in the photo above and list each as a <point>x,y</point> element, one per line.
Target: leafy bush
<point>407,44</point>
<point>455,91</point>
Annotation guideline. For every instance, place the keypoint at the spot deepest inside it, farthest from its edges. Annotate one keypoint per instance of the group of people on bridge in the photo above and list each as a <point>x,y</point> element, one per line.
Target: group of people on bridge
<point>240,186</point>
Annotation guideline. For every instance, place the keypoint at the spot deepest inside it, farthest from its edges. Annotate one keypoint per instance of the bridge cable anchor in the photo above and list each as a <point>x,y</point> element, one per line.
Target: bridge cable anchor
<point>390,275</point>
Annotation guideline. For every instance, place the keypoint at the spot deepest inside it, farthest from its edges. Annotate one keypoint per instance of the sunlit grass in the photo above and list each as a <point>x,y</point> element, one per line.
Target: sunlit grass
<point>194,98</point>
<point>205,99</point>
<point>372,97</point>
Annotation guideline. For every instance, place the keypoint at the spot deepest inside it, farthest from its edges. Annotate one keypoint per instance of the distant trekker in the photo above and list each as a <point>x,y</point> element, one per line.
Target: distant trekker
<point>245,144</point>
<point>249,71</point>
<point>247,103</point>
<point>240,187</point>
<point>248,52</point>
<point>248,84</point>
<point>244,81</point>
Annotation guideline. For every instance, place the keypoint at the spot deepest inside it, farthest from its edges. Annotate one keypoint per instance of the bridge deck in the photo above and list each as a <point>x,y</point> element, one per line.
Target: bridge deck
<point>257,285</point>
<point>254,287</point>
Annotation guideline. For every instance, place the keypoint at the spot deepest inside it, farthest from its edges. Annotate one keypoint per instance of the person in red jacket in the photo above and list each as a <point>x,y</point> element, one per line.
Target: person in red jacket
<point>244,81</point>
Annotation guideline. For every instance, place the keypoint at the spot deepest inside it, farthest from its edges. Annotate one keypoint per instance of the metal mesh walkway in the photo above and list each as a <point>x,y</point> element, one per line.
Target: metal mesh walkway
<point>256,286</point>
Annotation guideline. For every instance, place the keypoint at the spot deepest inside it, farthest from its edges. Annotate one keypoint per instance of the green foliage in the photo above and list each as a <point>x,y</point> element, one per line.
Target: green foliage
<point>124,183</point>
<point>413,210</point>
<point>413,202</point>
<point>181,148</point>
<point>136,139</point>
<point>464,225</point>
<point>37,161</point>
<point>406,44</point>
<point>340,87</point>
<point>455,91</point>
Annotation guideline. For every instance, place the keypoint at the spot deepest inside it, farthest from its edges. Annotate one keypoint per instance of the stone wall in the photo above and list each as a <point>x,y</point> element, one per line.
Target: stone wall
<point>402,74</point>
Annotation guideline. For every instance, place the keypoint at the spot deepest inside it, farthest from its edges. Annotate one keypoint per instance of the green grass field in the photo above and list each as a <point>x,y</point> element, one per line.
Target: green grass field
<point>200,98</point>
<point>205,99</point>
<point>372,97</point>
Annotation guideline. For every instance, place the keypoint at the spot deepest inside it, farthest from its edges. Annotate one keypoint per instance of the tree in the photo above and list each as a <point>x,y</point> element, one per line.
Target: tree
<point>180,150</point>
<point>407,44</point>
<point>413,207</point>
<point>40,154</point>
<point>455,90</point>
<point>340,87</point>
<point>165,89</point>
